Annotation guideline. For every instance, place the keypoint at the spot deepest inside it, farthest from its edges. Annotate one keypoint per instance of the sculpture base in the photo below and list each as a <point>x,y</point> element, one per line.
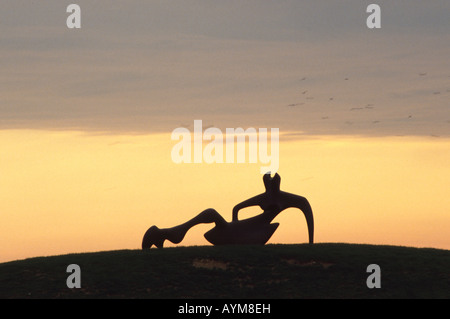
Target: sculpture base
<point>241,233</point>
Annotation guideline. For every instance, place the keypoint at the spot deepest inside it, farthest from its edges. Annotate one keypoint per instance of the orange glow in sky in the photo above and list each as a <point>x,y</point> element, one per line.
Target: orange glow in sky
<point>69,191</point>
<point>86,117</point>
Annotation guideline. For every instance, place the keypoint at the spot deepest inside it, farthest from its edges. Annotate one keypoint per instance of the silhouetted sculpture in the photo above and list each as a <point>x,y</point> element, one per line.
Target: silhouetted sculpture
<point>254,230</point>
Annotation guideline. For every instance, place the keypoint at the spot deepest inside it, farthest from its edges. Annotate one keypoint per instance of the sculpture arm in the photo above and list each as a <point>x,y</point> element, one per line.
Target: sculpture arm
<point>254,201</point>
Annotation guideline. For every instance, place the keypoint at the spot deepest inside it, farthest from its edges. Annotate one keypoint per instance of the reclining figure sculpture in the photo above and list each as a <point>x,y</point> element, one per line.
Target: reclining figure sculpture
<point>251,231</point>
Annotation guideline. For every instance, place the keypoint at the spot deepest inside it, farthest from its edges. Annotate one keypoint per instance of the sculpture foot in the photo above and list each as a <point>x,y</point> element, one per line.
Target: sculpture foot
<point>156,236</point>
<point>153,236</point>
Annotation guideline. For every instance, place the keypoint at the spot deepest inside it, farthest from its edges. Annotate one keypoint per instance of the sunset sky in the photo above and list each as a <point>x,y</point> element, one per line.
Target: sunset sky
<point>86,117</point>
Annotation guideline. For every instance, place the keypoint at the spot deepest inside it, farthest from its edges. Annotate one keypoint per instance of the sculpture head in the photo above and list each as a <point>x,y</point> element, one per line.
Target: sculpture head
<point>272,184</point>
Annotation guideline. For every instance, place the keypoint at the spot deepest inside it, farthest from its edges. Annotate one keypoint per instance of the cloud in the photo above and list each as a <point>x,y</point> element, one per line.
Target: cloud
<point>150,66</point>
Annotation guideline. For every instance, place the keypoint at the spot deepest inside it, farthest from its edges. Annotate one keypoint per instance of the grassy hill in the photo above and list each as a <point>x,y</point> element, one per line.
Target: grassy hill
<point>271,271</point>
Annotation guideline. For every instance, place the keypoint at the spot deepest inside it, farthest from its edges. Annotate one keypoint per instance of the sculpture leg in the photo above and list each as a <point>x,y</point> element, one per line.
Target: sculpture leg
<point>156,236</point>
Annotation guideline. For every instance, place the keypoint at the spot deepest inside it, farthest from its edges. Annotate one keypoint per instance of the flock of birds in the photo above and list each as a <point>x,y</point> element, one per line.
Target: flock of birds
<point>308,99</point>
<point>368,106</point>
<point>304,92</point>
